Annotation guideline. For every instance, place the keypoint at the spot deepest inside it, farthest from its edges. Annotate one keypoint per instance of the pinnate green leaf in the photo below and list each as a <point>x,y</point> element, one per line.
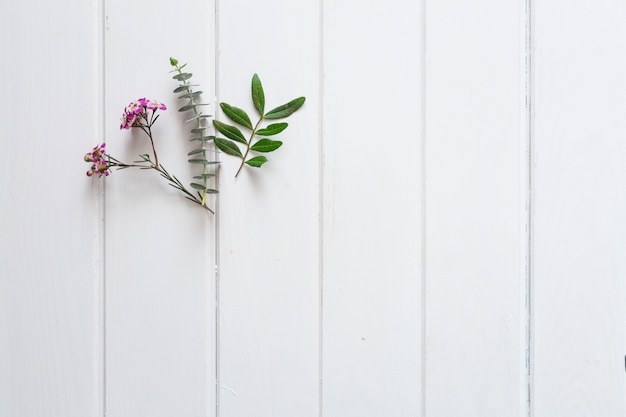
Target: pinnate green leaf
<point>266,145</point>
<point>236,115</point>
<point>272,129</point>
<point>231,132</point>
<point>228,146</point>
<point>257,161</point>
<point>286,109</point>
<point>258,96</point>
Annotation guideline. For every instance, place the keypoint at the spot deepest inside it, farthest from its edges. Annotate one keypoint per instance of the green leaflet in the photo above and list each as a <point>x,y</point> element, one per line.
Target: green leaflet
<point>286,109</point>
<point>272,129</point>
<point>203,138</point>
<point>182,77</point>
<point>198,186</point>
<point>229,147</point>
<point>236,115</point>
<point>187,107</point>
<point>196,151</point>
<point>258,96</point>
<point>198,117</point>
<point>231,132</point>
<point>266,145</point>
<point>193,94</point>
<point>257,161</point>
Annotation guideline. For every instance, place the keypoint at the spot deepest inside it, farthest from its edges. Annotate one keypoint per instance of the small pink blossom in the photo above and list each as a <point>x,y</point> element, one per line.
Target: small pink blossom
<point>155,105</point>
<point>98,158</point>
<point>138,110</point>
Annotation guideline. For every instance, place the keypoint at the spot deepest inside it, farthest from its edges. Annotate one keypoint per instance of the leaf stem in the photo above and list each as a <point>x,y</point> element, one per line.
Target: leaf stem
<point>245,155</point>
<point>155,165</point>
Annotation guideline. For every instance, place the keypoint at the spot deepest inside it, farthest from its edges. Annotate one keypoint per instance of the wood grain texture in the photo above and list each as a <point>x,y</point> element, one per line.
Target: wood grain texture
<point>579,205</point>
<point>49,277</point>
<point>474,207</point>
<point>269,217</point>
<point>160,300</point>
<point>372,208</point>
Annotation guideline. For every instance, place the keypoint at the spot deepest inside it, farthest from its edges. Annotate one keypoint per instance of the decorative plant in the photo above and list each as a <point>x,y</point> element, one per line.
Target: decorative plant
<point>142,114</point>
<point>139,114</point>
<point>257,141</point>
<point>199,155</point>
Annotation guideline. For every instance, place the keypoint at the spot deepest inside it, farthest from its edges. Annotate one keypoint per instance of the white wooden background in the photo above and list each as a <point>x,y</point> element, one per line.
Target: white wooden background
<point>442,234</point>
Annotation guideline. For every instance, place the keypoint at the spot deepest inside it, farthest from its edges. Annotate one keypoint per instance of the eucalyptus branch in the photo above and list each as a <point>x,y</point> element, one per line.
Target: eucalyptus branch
<point>200,154</point>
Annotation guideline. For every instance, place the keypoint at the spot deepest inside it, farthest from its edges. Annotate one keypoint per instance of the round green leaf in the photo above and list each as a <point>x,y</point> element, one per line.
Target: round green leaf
<point>198,186</point>
<point>182,77</point>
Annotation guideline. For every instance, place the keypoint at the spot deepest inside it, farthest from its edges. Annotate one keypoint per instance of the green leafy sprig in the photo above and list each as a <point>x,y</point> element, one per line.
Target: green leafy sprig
<point>198,155</point>
<point>257,140</point>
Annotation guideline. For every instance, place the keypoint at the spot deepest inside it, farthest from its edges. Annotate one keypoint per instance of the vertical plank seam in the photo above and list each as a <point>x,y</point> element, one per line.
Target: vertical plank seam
<point>529,205</point>
<point>100,342</point>
<point>423,323</point>
<point>217,220</point>
<point>321,202</point>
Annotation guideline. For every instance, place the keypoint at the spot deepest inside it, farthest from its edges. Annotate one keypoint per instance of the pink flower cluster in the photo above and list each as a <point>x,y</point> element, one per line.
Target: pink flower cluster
<point>100,166</point>
<point>137,110</point>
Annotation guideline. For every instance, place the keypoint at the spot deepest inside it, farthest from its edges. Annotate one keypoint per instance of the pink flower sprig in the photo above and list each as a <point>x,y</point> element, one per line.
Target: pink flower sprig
<point>139,114</point>
<point>136,113</point>
<point>142,114</point>
<point>98,158</point>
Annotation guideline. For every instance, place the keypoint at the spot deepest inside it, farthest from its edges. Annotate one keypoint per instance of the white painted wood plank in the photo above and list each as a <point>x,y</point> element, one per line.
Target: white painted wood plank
<point>372,183</point>
<point>579,199</point>
<point>475,198</point>
<point>268,218</point>
<point>160,318</point>
<point>49,280</point>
